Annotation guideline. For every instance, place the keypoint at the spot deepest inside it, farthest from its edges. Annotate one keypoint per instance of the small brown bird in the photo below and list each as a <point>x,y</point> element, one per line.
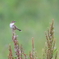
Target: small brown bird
<point>13,27</point>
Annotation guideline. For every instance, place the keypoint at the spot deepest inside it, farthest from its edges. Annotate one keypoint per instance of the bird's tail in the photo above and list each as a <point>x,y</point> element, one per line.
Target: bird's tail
<point>18,29</point>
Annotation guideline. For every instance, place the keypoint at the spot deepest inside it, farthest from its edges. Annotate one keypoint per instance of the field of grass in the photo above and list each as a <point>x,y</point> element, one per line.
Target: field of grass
<point>33,17</point>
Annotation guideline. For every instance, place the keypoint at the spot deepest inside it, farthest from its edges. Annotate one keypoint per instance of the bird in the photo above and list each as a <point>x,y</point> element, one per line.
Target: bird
<point>13,27</point>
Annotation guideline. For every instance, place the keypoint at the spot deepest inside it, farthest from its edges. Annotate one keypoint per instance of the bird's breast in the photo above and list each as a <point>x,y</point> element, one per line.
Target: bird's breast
<point>11,25</point>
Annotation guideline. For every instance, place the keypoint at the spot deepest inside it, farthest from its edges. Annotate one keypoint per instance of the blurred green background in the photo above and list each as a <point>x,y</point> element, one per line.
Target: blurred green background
<point>33,17</point>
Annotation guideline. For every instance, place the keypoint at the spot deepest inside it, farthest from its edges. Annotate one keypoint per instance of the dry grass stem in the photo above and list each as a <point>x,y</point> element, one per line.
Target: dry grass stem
<point>16,45</point>
<point>50,41</point>
<point>10,53</point>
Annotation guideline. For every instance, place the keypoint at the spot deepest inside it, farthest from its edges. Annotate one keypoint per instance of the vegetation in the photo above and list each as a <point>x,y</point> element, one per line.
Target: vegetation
<point>50,52</point>
<point>32,17</point>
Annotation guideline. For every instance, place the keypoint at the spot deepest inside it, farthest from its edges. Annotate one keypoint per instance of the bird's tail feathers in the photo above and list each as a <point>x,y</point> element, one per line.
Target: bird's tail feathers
<point>19,29</point>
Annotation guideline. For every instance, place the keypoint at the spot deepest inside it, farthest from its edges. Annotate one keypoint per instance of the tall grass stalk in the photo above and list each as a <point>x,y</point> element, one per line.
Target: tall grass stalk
<point>50,48</point>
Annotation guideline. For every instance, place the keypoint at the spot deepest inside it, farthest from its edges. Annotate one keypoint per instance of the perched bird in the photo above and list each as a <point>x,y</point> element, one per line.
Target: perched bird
<point>13,27</point>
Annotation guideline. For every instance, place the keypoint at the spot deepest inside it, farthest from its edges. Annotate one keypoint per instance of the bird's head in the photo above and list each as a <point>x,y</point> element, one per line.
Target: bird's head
<point>13,21</point>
